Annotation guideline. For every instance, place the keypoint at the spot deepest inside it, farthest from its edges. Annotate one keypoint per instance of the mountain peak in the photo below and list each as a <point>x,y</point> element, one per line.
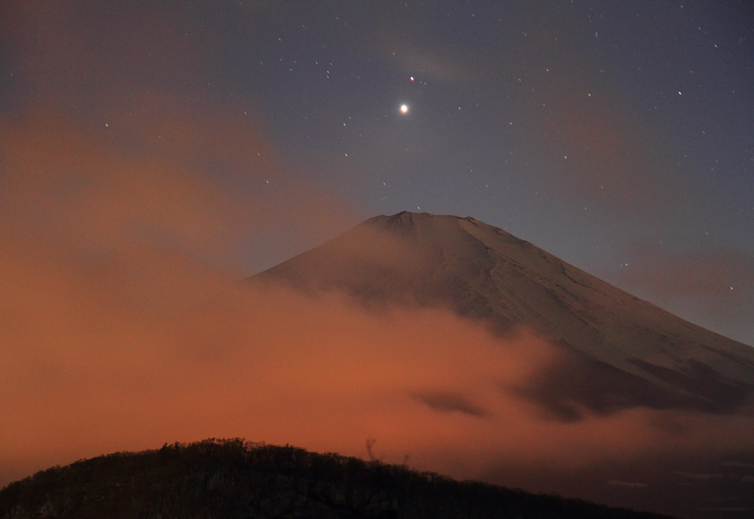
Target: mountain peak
<point>408,219</point>
<point>440,229</point>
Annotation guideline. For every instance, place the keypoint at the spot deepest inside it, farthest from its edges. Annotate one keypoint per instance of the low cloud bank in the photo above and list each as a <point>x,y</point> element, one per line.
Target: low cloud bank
<point>84,378</point>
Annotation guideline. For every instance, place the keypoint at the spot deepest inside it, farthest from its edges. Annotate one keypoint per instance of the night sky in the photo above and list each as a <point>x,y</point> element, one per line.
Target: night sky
<point>617,135</point>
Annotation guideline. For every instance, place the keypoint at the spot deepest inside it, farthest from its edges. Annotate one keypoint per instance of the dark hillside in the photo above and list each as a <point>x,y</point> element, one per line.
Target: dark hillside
<point>233,479</point>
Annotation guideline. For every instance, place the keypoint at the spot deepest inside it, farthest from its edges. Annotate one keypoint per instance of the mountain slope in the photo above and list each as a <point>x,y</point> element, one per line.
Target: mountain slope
<point>618,351</point>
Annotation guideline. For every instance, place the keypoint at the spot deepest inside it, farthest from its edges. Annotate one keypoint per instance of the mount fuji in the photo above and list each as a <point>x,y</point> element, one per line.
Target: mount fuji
<point>617,351</point>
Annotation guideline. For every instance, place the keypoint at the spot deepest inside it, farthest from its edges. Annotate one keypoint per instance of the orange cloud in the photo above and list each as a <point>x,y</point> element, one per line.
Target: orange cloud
<point>282,367</point>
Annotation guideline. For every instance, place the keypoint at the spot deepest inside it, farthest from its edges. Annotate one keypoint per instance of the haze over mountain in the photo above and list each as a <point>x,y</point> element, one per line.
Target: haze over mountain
<point>614,350</point>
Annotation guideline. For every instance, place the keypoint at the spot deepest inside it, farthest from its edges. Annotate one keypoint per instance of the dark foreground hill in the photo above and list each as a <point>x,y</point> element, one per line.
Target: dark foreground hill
<point>232,479</point>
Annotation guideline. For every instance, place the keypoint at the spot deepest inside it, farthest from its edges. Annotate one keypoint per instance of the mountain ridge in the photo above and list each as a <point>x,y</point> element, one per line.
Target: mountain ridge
<point>237,479</point>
